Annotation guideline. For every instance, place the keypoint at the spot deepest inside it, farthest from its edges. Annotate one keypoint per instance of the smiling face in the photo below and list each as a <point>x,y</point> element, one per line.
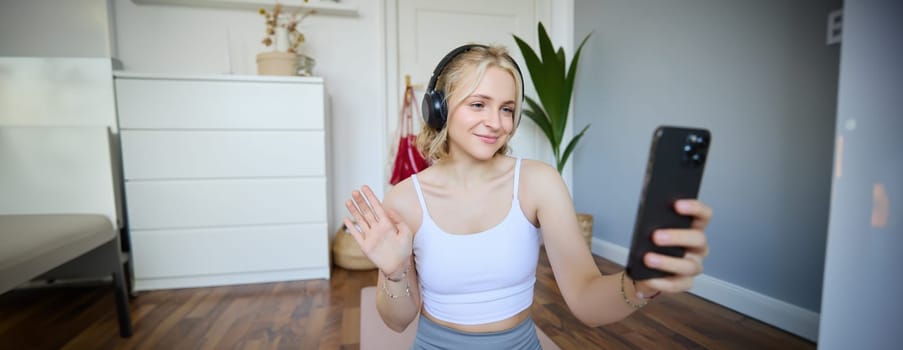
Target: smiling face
<point>473,94</point>
<point>482,123</point>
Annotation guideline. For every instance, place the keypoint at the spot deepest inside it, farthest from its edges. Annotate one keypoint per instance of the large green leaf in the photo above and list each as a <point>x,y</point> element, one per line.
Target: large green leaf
<point>539,117</point>
<point>570,148</point>
<point>561,118</point>
<point>534,65</point>
<point>572,72</point>
<point>550,91</point>
<point>542,120</point>
<point>543,83</point>
<point>554,85</point>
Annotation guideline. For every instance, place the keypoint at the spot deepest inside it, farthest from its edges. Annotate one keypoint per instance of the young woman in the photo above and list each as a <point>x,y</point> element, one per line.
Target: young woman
<point>458,243</point>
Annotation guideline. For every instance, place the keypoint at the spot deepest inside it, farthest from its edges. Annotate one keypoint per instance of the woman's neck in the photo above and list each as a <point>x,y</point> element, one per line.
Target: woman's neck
<point>467,172</point>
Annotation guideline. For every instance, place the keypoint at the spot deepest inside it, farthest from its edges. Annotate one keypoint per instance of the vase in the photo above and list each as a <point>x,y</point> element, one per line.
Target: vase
<point>281,34</point>
<point>277,63</point>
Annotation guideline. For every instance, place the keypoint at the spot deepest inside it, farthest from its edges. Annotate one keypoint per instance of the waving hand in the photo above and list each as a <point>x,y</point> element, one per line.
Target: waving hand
<point>382,235</point>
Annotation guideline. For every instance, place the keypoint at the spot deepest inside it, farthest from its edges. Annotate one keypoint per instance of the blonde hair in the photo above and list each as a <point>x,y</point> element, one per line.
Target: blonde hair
<point>432,143</point>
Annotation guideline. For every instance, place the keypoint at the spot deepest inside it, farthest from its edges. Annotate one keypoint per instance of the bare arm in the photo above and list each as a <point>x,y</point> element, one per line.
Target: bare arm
<point>398,302</point>
<point>595,299</point>
<point>387,241</point>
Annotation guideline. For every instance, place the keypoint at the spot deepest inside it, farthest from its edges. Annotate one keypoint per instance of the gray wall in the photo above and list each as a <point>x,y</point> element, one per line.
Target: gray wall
<point>56,28</point>
<point>861,307</point>
<point>759,75</point>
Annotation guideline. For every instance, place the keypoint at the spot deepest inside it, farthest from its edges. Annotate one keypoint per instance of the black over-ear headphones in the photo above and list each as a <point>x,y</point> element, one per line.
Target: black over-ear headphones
<point>434,106</point>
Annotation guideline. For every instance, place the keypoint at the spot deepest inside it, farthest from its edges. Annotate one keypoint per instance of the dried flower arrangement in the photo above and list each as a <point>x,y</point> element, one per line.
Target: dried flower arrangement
<point>289,22</point>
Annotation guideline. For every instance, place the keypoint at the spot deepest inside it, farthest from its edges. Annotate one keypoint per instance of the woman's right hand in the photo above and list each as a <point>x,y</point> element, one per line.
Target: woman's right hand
<point>382,235</point>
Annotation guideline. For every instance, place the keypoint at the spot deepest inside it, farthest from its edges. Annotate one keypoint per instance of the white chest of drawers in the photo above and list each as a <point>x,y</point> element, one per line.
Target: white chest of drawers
<point>225,178</point>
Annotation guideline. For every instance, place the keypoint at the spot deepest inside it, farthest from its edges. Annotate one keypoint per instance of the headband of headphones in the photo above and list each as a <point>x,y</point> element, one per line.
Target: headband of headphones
<point>434,106</point>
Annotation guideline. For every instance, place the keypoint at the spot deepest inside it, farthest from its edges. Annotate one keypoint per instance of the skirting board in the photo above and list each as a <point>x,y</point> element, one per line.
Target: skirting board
<point>230,279</point>
<point>783,315</point>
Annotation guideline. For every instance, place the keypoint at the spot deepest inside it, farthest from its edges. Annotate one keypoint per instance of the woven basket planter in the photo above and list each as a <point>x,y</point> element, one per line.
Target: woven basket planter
<point>347,254</point>
<point>586,227</point>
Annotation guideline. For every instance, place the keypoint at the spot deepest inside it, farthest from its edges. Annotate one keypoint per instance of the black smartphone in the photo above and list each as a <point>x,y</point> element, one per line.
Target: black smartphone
<point>674,171</point>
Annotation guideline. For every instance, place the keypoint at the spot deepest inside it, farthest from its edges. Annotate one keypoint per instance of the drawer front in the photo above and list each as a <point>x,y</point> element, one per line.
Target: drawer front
<point>149,154</point>
<point>172,253</point>
<point>225,202</point>
<point>200,104</point>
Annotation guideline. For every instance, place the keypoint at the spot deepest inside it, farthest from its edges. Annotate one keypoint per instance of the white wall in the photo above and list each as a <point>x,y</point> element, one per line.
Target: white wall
<point>71,28</point>
<point>760,76</point>
<point>349,54</point>
<point>861,306</point>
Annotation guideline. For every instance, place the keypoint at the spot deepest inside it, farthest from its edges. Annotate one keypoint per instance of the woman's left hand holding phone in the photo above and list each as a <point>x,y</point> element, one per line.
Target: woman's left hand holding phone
<point>685,268</point>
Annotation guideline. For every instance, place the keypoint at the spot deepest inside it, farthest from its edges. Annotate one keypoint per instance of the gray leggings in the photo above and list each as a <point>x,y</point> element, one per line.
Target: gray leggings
<point>433,336</point>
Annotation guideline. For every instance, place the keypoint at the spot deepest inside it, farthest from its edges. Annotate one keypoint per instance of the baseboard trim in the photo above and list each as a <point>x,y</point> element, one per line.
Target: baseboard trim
<point>144,284</point>
<point>783,315</point>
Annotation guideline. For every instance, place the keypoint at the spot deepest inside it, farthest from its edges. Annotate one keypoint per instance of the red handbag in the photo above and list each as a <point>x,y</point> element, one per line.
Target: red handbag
<point>408,160</point>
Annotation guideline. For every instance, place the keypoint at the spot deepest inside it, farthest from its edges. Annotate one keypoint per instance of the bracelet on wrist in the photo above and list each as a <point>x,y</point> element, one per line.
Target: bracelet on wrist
<point>635,306</point>
<point>644,297</point>
<point>407,286</point>
<point>404,275</point>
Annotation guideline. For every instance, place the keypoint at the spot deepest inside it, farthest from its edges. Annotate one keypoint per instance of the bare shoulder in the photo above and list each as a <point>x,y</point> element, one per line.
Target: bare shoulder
<point>538,175</point>
<point>540,186</point>
<point>403,199</point>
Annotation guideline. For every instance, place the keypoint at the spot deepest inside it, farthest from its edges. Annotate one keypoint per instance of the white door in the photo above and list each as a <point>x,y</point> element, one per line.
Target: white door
<point>428,29</point>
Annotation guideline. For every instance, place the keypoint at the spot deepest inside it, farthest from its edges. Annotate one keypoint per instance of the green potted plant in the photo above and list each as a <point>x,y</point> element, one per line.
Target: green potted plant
<point>554,87</point>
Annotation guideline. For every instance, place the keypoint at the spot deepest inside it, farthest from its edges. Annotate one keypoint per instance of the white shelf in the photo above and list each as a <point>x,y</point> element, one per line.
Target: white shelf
<point>327,8</point>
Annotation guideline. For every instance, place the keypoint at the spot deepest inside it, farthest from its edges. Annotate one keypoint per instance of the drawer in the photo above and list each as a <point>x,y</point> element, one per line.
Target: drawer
<point>229,250</point>
<point>150,154</point>
<point>225,202</point>
<point>212,104</point>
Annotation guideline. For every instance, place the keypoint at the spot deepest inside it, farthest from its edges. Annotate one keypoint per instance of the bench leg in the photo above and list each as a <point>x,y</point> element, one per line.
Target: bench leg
<point>122,303</point>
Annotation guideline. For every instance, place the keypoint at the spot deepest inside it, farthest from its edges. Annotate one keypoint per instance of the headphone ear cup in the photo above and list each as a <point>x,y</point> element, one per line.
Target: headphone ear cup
<point>434,109</point>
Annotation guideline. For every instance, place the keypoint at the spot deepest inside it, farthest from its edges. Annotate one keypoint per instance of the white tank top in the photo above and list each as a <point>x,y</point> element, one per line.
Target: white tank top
<point>477,278</point>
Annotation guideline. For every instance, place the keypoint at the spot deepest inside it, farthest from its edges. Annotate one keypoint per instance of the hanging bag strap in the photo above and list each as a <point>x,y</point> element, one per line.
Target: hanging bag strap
<point>408,112</point>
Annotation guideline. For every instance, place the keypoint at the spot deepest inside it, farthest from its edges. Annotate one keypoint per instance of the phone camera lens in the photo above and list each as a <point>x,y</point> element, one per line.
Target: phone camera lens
<point>694,155</point>
<point>698,158</point>
<point>696,139</point>
<point>694,150</point>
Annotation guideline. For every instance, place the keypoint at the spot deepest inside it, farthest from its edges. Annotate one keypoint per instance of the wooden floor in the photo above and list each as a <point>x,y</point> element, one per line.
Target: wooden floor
<point>325,315</point>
